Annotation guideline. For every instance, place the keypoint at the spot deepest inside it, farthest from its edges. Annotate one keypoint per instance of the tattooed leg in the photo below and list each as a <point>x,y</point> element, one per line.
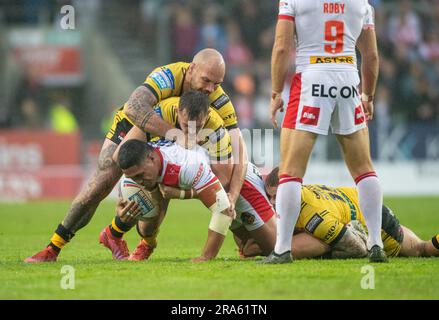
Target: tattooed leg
<point>98,188</point>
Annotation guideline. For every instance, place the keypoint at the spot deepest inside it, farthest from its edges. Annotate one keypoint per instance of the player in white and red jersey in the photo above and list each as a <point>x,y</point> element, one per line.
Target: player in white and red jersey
<point>174,166</point>
<point>255,216</point>
<point>325,92</point>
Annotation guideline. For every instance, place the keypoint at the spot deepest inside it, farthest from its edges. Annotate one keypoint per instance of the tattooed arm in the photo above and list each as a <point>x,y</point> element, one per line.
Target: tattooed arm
<point>351,245</point>
<point>139,109</point>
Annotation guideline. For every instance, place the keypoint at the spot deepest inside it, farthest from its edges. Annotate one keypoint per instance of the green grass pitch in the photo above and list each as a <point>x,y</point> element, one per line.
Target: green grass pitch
<point>26,228</point>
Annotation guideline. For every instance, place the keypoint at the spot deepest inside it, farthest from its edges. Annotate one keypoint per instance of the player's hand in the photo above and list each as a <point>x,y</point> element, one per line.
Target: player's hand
<point>128,211</point>
<point>231,210</point>
<point>169,192</point>
<point>368,109</point>
<point>200,259</point>
<point>277,104</point>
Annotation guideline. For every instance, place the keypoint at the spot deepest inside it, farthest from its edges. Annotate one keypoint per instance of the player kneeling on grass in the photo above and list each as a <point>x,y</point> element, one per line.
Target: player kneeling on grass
<point>333,218</point>
<point>175,166</point>
<point>192,114</point>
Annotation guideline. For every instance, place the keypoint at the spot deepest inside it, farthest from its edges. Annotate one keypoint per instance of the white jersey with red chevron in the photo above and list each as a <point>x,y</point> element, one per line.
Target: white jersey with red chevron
<point>185,169</point>
<point>327,31</point>
<point>253,208</point>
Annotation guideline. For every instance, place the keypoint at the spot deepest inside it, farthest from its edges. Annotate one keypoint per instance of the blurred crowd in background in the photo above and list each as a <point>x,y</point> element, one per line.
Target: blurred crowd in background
<point>243,30</point>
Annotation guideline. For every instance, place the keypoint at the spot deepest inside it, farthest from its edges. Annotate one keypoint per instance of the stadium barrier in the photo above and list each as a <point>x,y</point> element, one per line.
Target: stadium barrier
<point>39,164</point>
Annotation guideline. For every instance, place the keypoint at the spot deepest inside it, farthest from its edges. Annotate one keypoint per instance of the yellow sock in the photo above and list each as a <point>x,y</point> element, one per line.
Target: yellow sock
<point>58,241</point>
<point>119,228</point>
<point>435,241</point>
<point>60,238</point>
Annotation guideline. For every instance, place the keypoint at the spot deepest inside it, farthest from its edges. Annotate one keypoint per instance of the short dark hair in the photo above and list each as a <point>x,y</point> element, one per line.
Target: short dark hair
<point>133,153</point>
<point>195,102</point>
<point>272,179</point>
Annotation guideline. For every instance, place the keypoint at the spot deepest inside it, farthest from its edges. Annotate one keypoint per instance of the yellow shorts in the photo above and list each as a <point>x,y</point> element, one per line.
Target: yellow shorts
<point>120,127</point>
<point>392,233</point>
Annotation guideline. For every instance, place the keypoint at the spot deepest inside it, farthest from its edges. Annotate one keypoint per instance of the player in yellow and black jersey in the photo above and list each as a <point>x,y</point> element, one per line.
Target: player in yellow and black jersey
<point>167,82</point>
<point>330,214</point>
<point>212,136</point>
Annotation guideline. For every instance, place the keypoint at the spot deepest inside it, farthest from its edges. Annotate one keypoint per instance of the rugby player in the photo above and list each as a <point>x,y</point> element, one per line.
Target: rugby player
<point>325,93</point>
<point>255,212</point>
<point>205,74</point>
<point>329,215</point>
<point>172,165</point>
<point>255,217</point>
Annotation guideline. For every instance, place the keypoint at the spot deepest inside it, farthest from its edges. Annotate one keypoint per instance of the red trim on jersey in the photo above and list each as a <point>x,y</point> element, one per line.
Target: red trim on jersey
<point>284,178</point>
<point>294,102</point>
<point>364,176</point>
<point>161,160</point>
<point>212,181</point>
<point>259,203</point>
<point>286,17</point>
<point>369,26</point>
<point>172,175</point>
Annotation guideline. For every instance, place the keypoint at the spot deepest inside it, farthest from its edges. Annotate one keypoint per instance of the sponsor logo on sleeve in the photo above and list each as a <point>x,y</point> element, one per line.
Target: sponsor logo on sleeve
<point>331,232</point>
<point>221,101</point>
<point>164,79</point>
<point>313,223</point>
<point>198,175</point>
<point>217,135</point>
<point>158,110</point>
<point>310,115</point>
<point>283,5</point>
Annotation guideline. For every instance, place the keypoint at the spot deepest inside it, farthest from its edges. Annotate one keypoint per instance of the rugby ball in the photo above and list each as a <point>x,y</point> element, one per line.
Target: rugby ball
<point>131,191</point>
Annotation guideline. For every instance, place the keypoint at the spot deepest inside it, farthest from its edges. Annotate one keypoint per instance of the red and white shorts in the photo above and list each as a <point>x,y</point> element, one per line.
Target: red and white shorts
<point>253,208</point>
<point>319,100</point>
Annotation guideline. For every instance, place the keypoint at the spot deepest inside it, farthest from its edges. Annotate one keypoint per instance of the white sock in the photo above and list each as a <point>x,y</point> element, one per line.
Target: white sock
<point>288,203</point>
<point>371,202</point>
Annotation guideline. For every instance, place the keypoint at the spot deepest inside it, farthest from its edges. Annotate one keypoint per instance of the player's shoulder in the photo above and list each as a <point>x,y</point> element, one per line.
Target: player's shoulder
<point>177,68</point>
<point>214,120</point>
<point>218,98</point>
<point>167,108</point>
<point>168,103</point>
<point>169,76</point>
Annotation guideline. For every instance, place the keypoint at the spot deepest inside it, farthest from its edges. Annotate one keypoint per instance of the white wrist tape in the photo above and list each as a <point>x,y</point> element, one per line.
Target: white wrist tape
<point>222,202</point>
<point>182,194</point>
<point>220,223</point>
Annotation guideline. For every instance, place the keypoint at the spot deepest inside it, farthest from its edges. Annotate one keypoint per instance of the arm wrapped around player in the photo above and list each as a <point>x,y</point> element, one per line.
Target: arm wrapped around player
<point>176,193</point>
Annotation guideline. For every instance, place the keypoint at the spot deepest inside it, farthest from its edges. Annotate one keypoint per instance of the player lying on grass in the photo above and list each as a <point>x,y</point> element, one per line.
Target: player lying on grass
<point>173,165</point>
<point>330,215</point>
<point>192,108</point>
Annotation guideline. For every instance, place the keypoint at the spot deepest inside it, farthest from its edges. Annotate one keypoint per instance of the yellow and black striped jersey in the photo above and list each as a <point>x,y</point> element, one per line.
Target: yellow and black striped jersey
<point>213,136</point>
<point>341,201</point>
<point>167,81</point>
<point>325,212</point>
